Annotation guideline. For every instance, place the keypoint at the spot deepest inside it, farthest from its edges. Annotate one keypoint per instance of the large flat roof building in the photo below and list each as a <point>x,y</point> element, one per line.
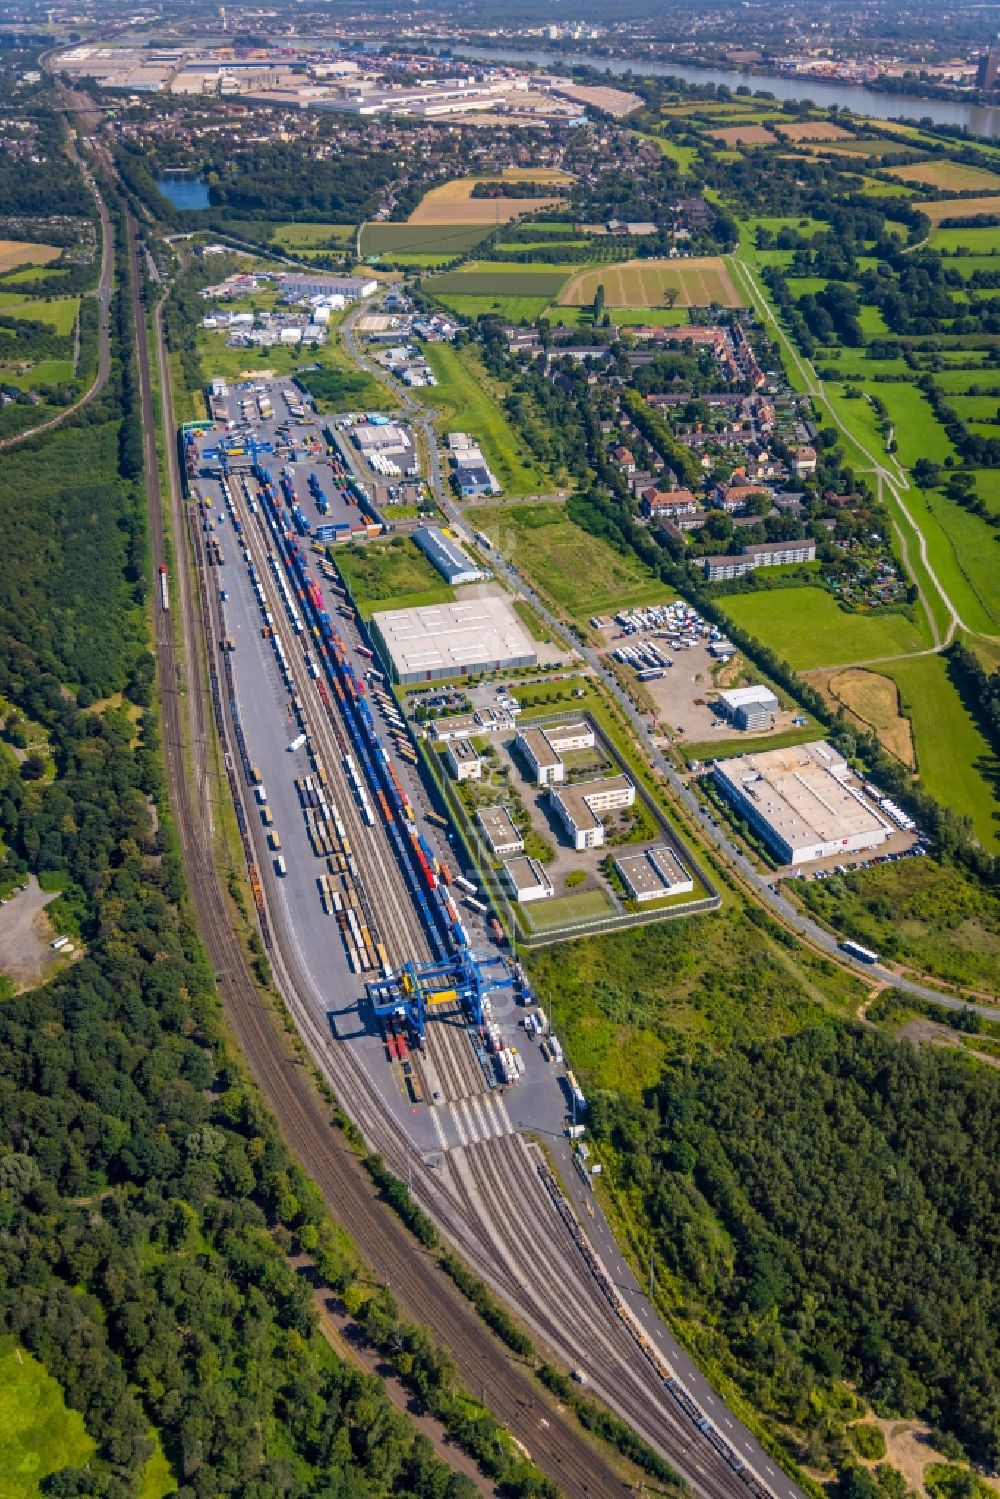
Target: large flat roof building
<point>804,801</point>
<point>453,640</point>
<point>351,288</point>
<point>654,874</point>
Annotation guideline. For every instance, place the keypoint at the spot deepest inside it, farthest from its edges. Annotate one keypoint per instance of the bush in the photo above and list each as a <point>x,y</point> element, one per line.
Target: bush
<point>868,1441</point>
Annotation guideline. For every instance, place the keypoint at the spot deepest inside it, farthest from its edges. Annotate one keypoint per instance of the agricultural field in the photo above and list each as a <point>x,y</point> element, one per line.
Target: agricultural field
<point>313,236</point>
<point>581,573</point>
<point>859,148</point>
<point>954,759</point>
<point>466,403</point>
<point>453,203</point>
<point>814,130</point>
<point>647,283</point>
<point>949,176</point>
<point>419,239</point>
<point>960,208</point>
<point>18,252</point>
<point>483,279</point>
<point>390,575</point>
<point>511,309</point>
<point>808,628</point>
<point>743,135</point>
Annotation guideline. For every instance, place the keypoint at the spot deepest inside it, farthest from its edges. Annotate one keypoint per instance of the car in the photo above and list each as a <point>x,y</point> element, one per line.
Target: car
<point>436,1095</point>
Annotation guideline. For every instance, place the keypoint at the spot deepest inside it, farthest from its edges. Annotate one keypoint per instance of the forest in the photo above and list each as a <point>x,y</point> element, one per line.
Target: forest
<point>825,1209</point>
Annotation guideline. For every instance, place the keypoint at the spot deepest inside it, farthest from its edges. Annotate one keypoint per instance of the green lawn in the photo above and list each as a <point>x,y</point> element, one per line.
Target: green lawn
<point>422,239</point>
<point>390,575</point>
<point>977,408</point>
<point>465,400</point>
<point>682,155</point>
<point>918,432</point>
<point>33,273</point>
<point>45,372</point>
<point>712,749</point>
<point>953,758</point>
<point>808,628</point>
<point>563,910</point>
<point>975,239</point>
<point>38,1433</point>
<point>313,236</point>
<point>957,381</point>
<point>582,574</point>
<point>963,550</point>
<point>988,488</point>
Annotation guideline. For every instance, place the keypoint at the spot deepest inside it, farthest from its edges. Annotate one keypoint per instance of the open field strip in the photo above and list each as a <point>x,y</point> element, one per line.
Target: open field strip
<point>978,239</point>
<point>647,283</point>
<point>873,700</point>
<point>813,130</point>
<point>466,403</point>
<point>961,208</point>
<point>452,202</point>
<point>750,134</point>
<point>23,252</point>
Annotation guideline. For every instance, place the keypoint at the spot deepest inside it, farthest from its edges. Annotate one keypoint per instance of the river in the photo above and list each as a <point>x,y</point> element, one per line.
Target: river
<point>980,119</point>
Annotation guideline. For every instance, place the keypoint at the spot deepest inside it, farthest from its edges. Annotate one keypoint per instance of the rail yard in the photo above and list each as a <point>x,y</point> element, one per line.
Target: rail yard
<point>404,990</point>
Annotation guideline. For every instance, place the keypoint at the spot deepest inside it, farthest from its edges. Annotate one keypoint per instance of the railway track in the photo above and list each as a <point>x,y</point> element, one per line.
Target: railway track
<point>423,1291</point>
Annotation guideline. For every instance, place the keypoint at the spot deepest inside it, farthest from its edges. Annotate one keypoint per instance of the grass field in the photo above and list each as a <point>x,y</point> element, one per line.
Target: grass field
<point>808,628</point>
<point>31,273</point>
<point>419,239</point>
<point>59,314</point>
<point>644,283</point>
<point>581,573</point>
<point>963,551</point>
<point>45,372</point>
<point>975,408</point>
<point>563,910</point>
<point>978,239</point>
<point>959,208</point>
<point>682,155</point>
<point>949,176</point>
<point>918,432</point>
<point>814,130</point>
<point>18,252</point>
<point>874,187</point>
<point>38,1433</point>
<point>478,280</point>
<point>452,202</point>
<point>466,403</point>
<point>313,236</point>
<point>957,381</point>
<point>954,760</point>
<point>391,575</point>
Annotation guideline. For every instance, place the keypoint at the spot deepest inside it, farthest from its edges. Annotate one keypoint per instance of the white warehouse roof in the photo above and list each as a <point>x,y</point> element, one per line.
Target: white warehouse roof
<point>476,634</point>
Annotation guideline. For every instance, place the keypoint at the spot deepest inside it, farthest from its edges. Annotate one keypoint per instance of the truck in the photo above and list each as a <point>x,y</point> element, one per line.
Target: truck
<point>279,865</point>
<point>261,794</point>
<point>296,743</point>
<point>575,1131</point>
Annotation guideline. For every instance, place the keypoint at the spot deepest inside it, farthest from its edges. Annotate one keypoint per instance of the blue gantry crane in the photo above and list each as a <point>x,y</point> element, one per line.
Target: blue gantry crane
<point>416,987</point>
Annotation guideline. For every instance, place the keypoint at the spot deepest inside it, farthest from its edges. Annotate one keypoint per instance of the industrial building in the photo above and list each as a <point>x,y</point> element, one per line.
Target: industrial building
<point>351,288</point>
<point>527,880</point>
<point>465,638</point>
<point>472,473</point>
<point>501,834</point>
<point>804,802</point>
<point>463,762</point>
<point>654,874</point>
<point>543,749</point>
<point>451,562</point>
<point>749,707</point>
<point>578,807</point>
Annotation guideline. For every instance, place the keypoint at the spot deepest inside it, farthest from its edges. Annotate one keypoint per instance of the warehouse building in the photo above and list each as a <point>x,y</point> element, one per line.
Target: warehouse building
<point>804,802</point>
<point>351,288</point>
<point>749,707</point>
<point>465,638</point>
<point>501,834</point>
<point>451,562</point>
<point>579,806</point>
<point>527,880</point>
<point>654,874</point>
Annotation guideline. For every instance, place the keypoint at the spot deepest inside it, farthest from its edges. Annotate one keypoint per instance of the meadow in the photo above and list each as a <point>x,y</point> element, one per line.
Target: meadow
<point>979,239</point>
<point>645,283</point>
<point>954,760</point>
<point>60,313</point>
<point>512,309</point>
<point>484,280</point>
<point>38,1433</point>
<point>466,402</point>
<point>313,236</point>
<point>390,575</point>
<point>808,628</point>
<point>582,574</point>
